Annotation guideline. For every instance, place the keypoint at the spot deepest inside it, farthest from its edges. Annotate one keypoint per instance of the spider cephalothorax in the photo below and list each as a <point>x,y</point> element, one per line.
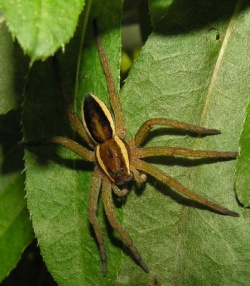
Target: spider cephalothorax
<point>119,161</point>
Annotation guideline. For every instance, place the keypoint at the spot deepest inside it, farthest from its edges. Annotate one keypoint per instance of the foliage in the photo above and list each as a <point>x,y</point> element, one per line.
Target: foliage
<point>193,68</point>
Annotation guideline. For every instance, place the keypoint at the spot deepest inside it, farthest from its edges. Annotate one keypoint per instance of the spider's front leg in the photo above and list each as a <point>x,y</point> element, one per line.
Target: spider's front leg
<point>112,91</point>
<point>170,151</point>
<point>66,142</point>
<point>72,117</point>
<point>149,124</point>
<point>109,210</point>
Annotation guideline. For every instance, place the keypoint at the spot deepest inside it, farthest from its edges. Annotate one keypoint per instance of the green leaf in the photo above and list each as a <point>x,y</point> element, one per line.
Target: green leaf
<point>41,27</point>
<point>13,70</point>
<point>158,10</point>
<point>57,180</point>
<point>185,73</point>
<point>242,165</point>
<point>7,81</point>
<point>15,230</point>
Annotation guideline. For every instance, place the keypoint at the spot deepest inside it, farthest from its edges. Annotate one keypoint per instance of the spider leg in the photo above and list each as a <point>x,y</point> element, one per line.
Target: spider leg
<point>162,177</point>
<point>72,117</point>
<point>169,151</point>
<point>149,124</point>
<point>68,143</point>
<point>113,94</point>
<point>95,189</point>
<point>109,210</point>
<point>76,123</point>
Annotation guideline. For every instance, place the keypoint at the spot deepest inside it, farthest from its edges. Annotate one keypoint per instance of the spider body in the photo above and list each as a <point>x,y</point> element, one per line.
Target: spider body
<point>119,161</point>
<point>112,153</point>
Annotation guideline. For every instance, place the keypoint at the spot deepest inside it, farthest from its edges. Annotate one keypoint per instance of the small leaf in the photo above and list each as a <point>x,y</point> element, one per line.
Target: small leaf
<point>7,82</point>
<point>42,26</point>
<point>13,70</point>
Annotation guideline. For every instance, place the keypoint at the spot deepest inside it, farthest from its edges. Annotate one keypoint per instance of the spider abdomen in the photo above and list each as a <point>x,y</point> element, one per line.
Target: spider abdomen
<point>112,157</point>
<point>97,119</point>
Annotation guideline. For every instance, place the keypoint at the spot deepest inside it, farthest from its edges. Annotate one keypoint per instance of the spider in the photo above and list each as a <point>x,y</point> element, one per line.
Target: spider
<point>118,161</point>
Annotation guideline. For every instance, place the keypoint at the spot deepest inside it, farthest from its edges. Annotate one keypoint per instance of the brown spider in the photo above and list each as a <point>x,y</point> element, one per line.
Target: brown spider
<point>119,161</point>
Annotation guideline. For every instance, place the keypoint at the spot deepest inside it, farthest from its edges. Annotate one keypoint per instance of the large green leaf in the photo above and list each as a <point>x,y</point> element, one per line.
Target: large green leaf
<point>184,72</point>
<point>15,227</point>
<point>57,180</point>
<point>42,26</point>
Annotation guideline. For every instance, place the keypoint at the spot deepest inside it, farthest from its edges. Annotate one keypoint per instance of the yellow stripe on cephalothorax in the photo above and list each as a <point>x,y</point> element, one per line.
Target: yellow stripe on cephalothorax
<point>97,119</point>
<point>101,163</point>
<point>124,150</point>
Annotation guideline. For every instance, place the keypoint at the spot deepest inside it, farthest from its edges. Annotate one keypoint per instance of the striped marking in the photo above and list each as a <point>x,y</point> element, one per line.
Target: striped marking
<point>124,151</point>
<point>97,119</point>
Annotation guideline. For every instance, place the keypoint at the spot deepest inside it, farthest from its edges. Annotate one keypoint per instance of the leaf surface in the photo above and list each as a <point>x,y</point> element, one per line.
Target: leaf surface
<point>185,73</point>
<point>13,70</point>
<point>15,227</point>
<point>242,166</point>
<point>58,181</point>
<point>7,94</point>
<point>42,27</point>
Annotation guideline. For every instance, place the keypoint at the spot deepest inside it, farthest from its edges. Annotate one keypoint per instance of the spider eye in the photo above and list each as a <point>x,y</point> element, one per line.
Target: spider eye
<point>97,119</point>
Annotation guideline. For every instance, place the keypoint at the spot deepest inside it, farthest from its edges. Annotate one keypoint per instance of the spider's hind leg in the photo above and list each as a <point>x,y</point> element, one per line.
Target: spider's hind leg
<point>109,210</point>
<point>95,189</point>
<point>165,179</point>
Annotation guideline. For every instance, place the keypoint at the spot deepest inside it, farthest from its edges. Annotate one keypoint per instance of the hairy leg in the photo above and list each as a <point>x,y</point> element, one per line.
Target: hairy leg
<point>169,151</point>
<point>72,117</point>
<point>109,210</point>
<point>162,177</point>
<point>148,125</point>
<point>68,143</point>
<point>113,94</point>
<point>95,189</point>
